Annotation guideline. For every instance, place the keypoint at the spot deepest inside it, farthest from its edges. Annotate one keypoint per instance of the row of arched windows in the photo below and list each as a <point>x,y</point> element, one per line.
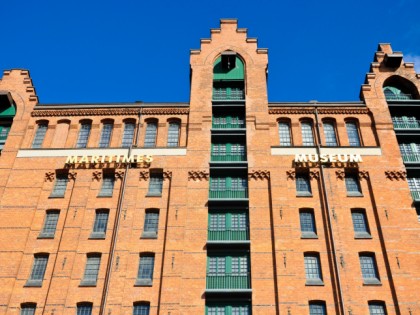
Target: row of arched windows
<point>330,133</point>
<point>106,134</point>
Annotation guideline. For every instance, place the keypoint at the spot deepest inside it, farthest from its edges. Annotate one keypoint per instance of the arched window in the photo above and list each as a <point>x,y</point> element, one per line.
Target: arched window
<point>151,133</point>
<point>7,113</point>
<point>285,136</point>
<point>228,77</point>
<point>27,308</point>
<point>353,133</point>
<point>330,133</point>
<point>173,133</point>
<point>84,308</point>
<point>41,130</point>
<point>84,132</point>
<point>307,133</point>
<point>141,308</point>
<point>106,133</point>
<point>128,136</point>
<point>397,88</point>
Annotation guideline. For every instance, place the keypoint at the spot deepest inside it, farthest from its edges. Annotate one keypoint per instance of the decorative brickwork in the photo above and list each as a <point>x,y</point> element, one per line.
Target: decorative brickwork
<point>198,175</point>
<point>396,175</point>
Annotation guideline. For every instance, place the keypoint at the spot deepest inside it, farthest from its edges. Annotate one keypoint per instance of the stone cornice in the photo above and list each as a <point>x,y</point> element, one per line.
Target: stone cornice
<point>109,112</point>
<point>322,111</point>
<point>165,111</point>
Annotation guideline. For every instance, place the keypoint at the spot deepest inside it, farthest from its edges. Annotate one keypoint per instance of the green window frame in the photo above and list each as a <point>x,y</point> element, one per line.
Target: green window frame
<point>228,121</point>
<point>228,152</point>
<point>228,187</point>
<point>228,309</point>
<point>228,226</point>
<point>228,271</point>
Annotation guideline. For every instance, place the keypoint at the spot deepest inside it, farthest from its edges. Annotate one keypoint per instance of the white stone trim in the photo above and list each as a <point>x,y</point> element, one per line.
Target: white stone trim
<point>25,153</point>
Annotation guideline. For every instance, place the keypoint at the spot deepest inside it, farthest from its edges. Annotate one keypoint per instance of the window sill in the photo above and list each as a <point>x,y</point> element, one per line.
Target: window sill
<point>362,236</point>
<point>33,283</point>
<point>149,235</point>
<point>372,281</point>
<point>151,194</point>
<point>104,196</point>
<point>88,283</point>
<point>46,236</point>
<point>97,235</point>
<point>309,235</point>
<point>143,283</point>
<point>303,194</point>
<point>56,196</point>
<point>314,282</point>
<point>354,194</point>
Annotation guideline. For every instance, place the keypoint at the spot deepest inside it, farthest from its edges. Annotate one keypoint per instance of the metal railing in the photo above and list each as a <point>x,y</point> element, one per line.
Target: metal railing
<point>228,281</point>
<point>228,157</point>
<point>228,94</point>
<point>228,193</point>
<point>416,195</point>
<point>228,235</point>
<point>401,96</point>
<point>411,158</point>
<point>228,125</point>
<point>406,125</point>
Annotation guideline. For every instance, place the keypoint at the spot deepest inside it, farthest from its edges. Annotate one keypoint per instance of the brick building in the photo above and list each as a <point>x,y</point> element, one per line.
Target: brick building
<point>228,204</point>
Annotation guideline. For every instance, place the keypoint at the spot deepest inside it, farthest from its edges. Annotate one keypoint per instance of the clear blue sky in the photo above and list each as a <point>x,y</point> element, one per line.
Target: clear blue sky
<point>124,51</point>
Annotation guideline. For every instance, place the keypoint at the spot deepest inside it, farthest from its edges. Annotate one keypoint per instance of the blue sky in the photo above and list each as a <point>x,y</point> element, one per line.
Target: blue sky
<point>108,51</point>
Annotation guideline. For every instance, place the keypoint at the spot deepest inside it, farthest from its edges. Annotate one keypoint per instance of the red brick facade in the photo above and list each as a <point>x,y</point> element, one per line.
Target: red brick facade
<point>275,248</point>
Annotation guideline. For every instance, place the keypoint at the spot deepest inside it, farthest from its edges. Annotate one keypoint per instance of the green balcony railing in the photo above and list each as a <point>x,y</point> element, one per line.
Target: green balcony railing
<point>228,157</point>
<point>398,97</point>
<point>228,281</point>
<point>228,193</point>
<point>228,235</point>
<point>411,158</point>
<point>407,125</point>
<point>228,125</point>
<point>416,195</point>
<point>230,94</point>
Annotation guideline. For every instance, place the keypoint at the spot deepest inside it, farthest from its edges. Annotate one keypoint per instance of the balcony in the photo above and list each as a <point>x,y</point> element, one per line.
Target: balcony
<point>228,157</point>
<point>228,94</point>
<point>228,194</point>
<point>228,235</point>
<point>416,195</point>
<point>228,282</point>
<point>411,158</point>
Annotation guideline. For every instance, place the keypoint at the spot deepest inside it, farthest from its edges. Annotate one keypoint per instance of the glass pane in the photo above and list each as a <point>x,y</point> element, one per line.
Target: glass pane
<point>146,267</point>
<point>39,136</point>
<point>84,309</point>
<point>107,185</point>
<point>173,134</point>
<point>151,132</point>
<point>359,222</point>
<point>307,222</point>
<point>317,309</point>
<point>128,135</point>
<point>302,183</point>
<point>329,133</point>
<point>106,135</point>
<point>284,134</point>
<point>377,308</point>
<point>151,222</point>
<point>367,264</point>
<point>141,309</point>
<point>101,221</point>
<point>51,222</point>
<point>353,134</point>
<point>312,268</point>
<point>307,135</point>
<point>84,133</point>
<point>28,310</point>
<point>156,183</point>
<point>352,183</point>
<point>38,269</point>
<point>92,268</point>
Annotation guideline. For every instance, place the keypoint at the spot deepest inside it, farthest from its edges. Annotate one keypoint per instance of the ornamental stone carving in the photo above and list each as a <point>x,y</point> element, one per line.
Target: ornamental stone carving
<point>167,175</point>
<point>97,175</point>
<point>313,174</point>
<point>288,111</point>
<point>49,176</point>
<point>144,175</point>
<point>198,175</point>
<point>363,175</point>
<point>165,111</point>
<point>340,174</point>
<point>259,174</point>
<point>119,175</point>
<point>291,174</point>
<point>396,175</point>
<point>87,112</point>
<point>72,175</point>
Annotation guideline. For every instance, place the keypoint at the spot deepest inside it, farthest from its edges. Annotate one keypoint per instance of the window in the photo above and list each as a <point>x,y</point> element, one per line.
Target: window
<point>151,223</point>
<point>303,186</point>
<point>155,184</point>
<point>84,308</point>
<point>414,185</point>
<point>38,270</point>
<point>128,135</point>
<point>228,152</point>
<point>40,135</point>
<point>307,135</point>
<point>228,226</point>
<point>150,137</point>
<point>307,223</point>
<point>93,263</point>
<point>60,185</point>
<point>27,309</point>
<point>145,273</point>
<point>369,269</point>
<point>101,221</point>
<point>313,269</point>
<point>106,135</point>
<point>317,308</point>
<point>329,133</point>
<point>50,224</point>
<point>84,133</point>
<point>107,185</point>
<point>353,134</point>
<point>360,225</point>
<point>223,267</point>
<point>377,308</point>
<point>352,184</point>
<point>284,134</point>
<point>142,308</point>
<point>173,134</point>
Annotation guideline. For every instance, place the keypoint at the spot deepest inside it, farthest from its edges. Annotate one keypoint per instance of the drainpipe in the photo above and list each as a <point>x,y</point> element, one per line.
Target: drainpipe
<point>59,245</point>
<point>327,206</point>
<point>114,240</point>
